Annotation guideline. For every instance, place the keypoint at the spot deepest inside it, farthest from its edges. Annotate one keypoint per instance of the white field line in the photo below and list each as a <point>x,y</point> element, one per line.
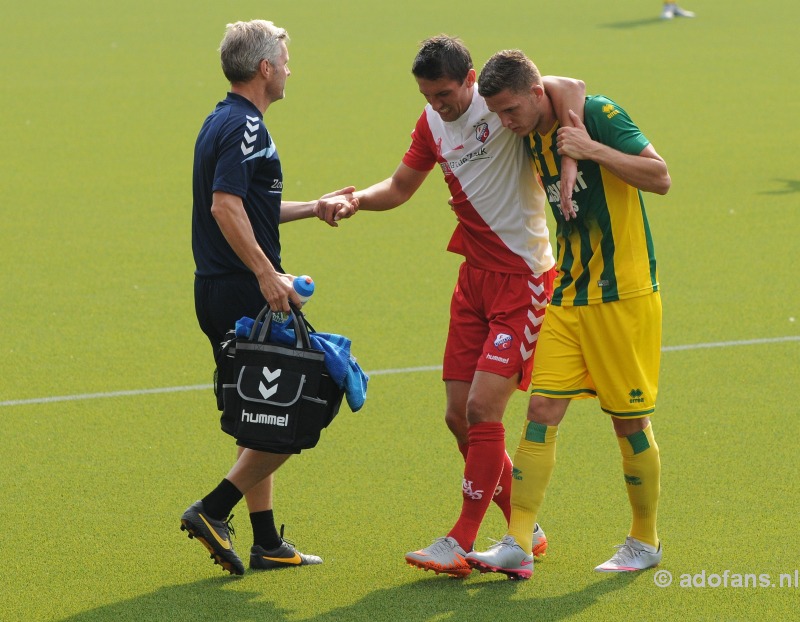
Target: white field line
<point>378,372</point>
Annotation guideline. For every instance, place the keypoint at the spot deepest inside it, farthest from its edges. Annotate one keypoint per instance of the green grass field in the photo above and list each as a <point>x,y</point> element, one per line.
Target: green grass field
<point>102,103</point>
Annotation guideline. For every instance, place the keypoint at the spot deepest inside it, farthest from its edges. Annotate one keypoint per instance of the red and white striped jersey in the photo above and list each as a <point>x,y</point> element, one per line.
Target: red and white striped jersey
<point>498,198</point>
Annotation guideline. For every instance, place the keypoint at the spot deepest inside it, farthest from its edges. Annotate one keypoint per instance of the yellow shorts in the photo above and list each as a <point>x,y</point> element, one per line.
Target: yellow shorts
<point>611,351</point>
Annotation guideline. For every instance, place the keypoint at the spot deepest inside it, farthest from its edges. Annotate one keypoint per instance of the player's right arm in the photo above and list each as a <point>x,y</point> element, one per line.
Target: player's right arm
<point>646,170</point>
<point>403,183</point>
<point>228,210</point>
<point>391,192</point>
<point>384,195</point>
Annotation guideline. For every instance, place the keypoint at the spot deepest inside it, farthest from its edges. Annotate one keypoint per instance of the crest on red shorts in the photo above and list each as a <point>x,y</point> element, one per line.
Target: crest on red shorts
<point>503,341</point>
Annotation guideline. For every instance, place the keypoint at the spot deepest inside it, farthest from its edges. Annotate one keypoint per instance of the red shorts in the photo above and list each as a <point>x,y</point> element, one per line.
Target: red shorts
<point>494,323</point>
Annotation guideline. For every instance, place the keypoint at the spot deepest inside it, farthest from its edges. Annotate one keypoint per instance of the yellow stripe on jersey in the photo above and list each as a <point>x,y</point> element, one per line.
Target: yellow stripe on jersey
<point>607,257</point>
<point>547,152</point>
<point>631,256</point>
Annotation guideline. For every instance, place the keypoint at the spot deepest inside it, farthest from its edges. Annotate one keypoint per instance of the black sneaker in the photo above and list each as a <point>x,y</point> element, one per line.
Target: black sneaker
<point>284,556</point>
<point>215,535</point>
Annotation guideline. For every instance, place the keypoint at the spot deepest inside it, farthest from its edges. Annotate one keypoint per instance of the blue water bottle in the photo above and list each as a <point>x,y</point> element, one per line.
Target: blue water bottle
<point>304,287</point>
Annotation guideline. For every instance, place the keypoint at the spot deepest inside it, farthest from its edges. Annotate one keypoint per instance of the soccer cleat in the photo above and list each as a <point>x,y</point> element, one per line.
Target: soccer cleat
<point>283,556</point>
<point>632,556</point>
<point>539,542</point>
<point>444,555</point>
<point>215,535</point>
<point>679,12</point>
<point>506,557</point>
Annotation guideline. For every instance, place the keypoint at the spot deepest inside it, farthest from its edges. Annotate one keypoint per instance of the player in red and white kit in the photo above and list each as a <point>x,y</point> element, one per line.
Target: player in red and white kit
<point>503,285</point>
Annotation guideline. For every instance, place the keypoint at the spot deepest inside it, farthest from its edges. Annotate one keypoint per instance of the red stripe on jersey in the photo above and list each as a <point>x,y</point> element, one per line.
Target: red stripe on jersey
<point>498,199</point>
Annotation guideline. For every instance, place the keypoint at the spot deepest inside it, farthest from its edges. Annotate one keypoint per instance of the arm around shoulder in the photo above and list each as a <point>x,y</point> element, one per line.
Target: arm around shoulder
<point>566,94</point>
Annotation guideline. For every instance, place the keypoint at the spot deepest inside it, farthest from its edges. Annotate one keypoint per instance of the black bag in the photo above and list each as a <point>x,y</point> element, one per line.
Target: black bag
<point>274,397</point>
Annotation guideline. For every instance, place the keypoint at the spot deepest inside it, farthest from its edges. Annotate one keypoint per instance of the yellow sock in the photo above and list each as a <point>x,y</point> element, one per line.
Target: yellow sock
<point>641,464</point>
<point>533,465</point>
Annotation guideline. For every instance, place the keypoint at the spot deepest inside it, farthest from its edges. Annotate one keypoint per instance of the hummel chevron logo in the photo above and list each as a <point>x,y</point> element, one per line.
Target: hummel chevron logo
<point>530,336</point>
<point>536,289</point>
<point>536,320</point>
<point>536,317</point>
<point>249,138</point>
<point>266,392</point>
<point>270,376</point>
<point>538,297</point>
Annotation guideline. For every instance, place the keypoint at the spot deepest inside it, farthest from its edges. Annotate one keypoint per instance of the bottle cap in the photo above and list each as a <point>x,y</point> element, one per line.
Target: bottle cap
<point>304,286</point>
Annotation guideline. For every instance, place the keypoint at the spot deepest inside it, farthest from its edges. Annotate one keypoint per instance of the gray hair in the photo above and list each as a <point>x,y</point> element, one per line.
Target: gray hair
<point>246,44</point>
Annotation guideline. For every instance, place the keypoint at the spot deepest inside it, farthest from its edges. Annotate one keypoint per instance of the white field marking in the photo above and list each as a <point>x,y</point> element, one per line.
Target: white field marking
<point>378,372</point>
<point>731,344</point>
<point>94,396</point>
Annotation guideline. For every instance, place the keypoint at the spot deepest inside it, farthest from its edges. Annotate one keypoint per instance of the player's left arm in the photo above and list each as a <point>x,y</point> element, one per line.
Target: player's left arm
<point>646,170</point>
<point>566,94</point>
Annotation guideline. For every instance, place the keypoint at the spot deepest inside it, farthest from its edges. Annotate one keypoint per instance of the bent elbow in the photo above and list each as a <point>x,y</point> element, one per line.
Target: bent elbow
<point>660,183</point>
<point>666,183</point>
<point>657,186</point>
<point>575,87</point>
<point>216,211</point>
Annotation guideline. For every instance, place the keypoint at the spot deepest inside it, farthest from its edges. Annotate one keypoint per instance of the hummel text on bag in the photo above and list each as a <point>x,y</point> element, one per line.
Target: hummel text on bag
<point>282,421</point>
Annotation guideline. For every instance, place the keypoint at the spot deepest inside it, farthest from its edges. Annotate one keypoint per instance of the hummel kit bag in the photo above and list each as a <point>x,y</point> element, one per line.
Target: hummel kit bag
<point>274,397</point>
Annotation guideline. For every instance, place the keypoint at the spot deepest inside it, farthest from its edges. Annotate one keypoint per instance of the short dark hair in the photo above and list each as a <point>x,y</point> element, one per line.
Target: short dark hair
<point>442,56</point>
<point>508,69</point>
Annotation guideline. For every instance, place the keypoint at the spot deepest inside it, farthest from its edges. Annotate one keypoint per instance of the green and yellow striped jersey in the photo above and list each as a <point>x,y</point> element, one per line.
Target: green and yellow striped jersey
<point>606,253</point>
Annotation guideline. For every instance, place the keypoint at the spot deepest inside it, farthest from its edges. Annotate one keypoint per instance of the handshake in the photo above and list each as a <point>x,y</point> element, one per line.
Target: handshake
<point>336,205</point>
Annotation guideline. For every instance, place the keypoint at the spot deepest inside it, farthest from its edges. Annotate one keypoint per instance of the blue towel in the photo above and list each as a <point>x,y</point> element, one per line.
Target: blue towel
<point>341,364</point>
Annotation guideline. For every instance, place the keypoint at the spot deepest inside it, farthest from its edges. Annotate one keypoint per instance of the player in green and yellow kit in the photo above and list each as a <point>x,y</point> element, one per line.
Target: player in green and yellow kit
<point>601,335</point>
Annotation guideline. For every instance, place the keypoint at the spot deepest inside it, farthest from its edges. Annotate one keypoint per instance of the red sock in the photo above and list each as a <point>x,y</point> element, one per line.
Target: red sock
<point>485,458</point>
<point>502,494</point>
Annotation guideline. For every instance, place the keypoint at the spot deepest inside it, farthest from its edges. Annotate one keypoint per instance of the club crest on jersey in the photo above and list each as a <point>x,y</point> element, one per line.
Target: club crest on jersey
<point>482,131</point>
<point>503,341</point>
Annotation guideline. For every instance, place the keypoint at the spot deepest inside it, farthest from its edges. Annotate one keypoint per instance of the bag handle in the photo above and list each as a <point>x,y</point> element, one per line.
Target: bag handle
<point>302,340</point>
